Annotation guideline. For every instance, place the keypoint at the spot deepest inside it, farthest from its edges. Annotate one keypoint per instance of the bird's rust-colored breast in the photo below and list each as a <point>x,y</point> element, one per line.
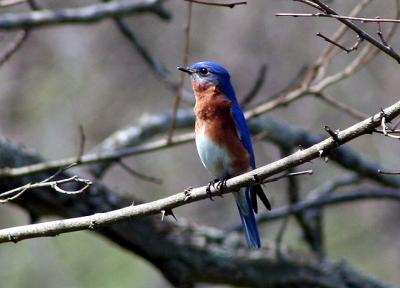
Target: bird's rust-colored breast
<point>214,115</point>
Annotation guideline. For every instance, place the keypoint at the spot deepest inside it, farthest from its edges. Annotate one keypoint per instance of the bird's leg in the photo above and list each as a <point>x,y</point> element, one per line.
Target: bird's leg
<point>208,189</point>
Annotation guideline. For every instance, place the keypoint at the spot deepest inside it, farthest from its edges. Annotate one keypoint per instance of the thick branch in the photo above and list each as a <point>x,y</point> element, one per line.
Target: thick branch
<point>86,14</point>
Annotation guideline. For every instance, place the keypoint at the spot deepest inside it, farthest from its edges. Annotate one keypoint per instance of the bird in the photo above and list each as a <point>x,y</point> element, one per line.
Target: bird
<point>223,140</point>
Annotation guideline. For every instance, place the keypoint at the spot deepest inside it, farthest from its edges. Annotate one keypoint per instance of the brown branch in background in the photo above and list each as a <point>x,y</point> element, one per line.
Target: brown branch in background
<point>279,247</point>
<point>185,64</point>
<point>8,3</point>
<point>82,141</point>
<point>258,84</point>
<point>347,50</point>
<point>34,5</point>
<point>341,106</point>
<point>308,222</point>
<point>12,47</point>
<point>228,5</point>
<point>139,175</point>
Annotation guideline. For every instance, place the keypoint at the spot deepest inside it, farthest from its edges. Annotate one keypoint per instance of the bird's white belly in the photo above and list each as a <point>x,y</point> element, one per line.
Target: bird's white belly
<point>214,157</point>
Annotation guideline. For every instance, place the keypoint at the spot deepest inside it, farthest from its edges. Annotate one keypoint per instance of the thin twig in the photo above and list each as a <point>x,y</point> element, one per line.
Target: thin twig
<point>288,175</point>
<point>228,5</point>
<point>341,106</point>
<point>347,50</point>
<point>361,19</point>
<point>139,175</point>
<point>182,79</point>
<point>14,193</point>
<point>258,84</point>
<point>82,141</point>
<point>13,47</point>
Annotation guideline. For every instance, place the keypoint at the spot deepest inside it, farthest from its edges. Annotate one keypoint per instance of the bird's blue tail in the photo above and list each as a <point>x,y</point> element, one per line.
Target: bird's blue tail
<point>244,204</point>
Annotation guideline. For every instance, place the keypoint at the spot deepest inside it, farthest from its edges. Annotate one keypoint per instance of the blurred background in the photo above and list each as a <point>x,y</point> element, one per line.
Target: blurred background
<point>71,75</point>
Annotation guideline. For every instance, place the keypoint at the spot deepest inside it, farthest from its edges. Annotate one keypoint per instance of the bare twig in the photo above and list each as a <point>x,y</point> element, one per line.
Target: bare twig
<point>228,5</point>
<point>15,193</point>
<point>361,19</point>
<point>258,84</point>
<point>182,79</point>
<point>341,106</point>
<point>347,50</point>
<point>12,47</point>
<point>139,175</point>
<point>82,141</point>
<point>288,175</point>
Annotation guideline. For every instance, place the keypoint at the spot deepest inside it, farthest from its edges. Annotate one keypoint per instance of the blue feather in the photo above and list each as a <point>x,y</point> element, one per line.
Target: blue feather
<point>249,223</point>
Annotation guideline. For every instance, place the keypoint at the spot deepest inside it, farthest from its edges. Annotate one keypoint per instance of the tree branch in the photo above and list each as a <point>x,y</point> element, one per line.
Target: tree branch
<point>86,14</point>
<point>177,200</point>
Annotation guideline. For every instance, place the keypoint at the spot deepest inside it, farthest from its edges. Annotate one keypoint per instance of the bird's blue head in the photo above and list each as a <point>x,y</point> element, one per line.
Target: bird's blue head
<point>209,73</point>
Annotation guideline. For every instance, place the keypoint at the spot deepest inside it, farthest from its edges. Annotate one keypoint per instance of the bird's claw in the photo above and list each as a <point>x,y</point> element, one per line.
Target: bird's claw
<point>221,186</point>
<point>208,189</point>
<point>187,194</point>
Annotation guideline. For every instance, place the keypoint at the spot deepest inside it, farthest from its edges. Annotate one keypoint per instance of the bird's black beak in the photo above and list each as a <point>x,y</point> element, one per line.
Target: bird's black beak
<point>186,70</point>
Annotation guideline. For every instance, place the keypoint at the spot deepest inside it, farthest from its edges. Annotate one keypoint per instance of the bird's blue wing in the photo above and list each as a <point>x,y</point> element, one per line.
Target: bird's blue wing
<point>244,135</point>
<point>243,131</point>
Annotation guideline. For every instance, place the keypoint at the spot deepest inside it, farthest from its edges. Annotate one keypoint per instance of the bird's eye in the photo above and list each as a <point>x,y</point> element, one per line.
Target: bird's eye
<point>203,71</point>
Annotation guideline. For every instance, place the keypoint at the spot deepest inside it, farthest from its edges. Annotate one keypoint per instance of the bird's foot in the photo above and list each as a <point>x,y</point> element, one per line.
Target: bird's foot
<point>187,193</point>
<point>221,186</point>
<point>208,189</point>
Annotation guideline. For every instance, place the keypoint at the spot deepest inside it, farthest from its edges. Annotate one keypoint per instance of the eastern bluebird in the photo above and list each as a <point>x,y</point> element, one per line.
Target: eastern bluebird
<point>223,140</point>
